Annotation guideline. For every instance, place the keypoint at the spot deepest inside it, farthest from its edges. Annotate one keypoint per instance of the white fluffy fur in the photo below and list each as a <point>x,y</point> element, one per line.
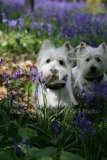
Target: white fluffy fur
<point>86,57</point>
<point>50,97</point>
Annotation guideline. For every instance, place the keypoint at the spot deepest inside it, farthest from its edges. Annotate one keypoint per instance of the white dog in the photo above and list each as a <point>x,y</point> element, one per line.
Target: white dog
<point>91,65</point>
<point>55,66</point>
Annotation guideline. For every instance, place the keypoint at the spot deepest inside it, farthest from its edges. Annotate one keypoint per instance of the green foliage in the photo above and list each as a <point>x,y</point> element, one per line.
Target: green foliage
<point>40,154</point>
<point>4,155</point>
<point>19,42</point>
<point>68,156</point>
<point>27,133</point>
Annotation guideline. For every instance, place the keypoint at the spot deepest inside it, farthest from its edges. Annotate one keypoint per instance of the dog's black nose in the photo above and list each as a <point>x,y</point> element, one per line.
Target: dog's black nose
<point>54,71</point>
<point>93,68</point>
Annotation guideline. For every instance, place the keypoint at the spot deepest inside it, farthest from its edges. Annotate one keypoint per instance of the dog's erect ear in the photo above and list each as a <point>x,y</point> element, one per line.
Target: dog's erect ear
<point>103,46</point>
<point>46,45</point>
<point>82,46</point>
<point>69,51</point>
<point>67,46</point>
<point>81,49</point>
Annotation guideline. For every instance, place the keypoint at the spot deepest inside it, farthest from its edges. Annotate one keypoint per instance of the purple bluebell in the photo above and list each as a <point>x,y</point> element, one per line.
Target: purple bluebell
<point>21,105</point>
<point>17,74</point>
<point>37,89</point>
<point>42,26</point>
<point>4,19</point>
<point>16,148</point>
<point>50,29</point>
<point>40,75</point>
<point>20,23</point>
<point>34,25</point>
<point>55,127</point>
<point>81,136</point>
<point>64,79</point>
<point>24,140</point>
<point>83,123</point>
<point>1,61</point>
<point>36,75</point>
<point>11,99</point>
<point>12,23</point>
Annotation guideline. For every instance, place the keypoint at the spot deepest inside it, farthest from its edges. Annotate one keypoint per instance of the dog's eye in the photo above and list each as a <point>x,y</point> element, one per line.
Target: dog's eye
<point>98,59</point>
<point>61,62</point>
<point>87,60</point>
<point>48,60</point>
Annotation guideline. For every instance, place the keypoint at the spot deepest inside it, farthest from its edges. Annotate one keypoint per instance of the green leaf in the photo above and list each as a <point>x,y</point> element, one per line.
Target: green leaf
<point>70,156</point>
<point>28,87</point>
<point>7,155</point>
<point>39,154</point>
<point>27,133</point>
<point>32,153</point>
<point>1,138</point>
<point>48,151</point>
<point>45,158</point>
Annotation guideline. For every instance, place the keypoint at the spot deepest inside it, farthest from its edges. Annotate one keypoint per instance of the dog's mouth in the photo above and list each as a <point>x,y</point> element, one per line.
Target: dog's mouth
<point>93,72</point>
<point>54,83</point>
<point>96,73</point>
<point>98,79</point>
<point>56,86</point>
<point>51,79</point>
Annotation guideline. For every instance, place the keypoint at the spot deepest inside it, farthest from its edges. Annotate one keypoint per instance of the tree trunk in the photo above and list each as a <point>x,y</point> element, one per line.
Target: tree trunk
<point>29,5</point>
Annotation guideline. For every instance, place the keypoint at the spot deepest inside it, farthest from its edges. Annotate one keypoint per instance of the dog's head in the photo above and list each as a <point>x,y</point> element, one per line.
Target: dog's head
<point>92,61</point>
<point>53,62</point>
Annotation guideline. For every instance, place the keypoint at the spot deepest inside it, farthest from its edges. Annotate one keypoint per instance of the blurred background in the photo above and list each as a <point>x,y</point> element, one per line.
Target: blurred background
<point>24,24</point>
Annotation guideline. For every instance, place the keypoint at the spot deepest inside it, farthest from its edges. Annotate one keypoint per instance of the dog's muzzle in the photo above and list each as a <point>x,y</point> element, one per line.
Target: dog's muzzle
<point>56,86</point>
<point>93,69</point>
<point>54,71</point>
<point>98,79</point>
<point>53,83</point>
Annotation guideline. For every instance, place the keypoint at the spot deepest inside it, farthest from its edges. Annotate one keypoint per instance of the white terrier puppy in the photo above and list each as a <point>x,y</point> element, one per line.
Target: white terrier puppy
<point>55,66</point>
<point>91,65</point>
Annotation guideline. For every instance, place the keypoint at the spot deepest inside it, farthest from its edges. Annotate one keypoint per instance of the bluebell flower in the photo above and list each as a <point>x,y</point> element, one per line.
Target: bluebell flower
<point>33,68</point>
<point>37,89</point>
<point>5,76</point>
<point>16,148</point>
<point>64,79</point>
<point>17,74</point>
<point>33,25</point>
<point>24,140</point>
<point>81,136</point>
<point>40,75</point>
<point>36,75</point>
<point>50,29</point>
<point>55,126</point>
<point>21,105</point>
<point>42,26</point>
<point>12,23</point>
<point>4,19</point>
<point>84,84</point>
<point>83,123</point>
<point>20,23</point>
<point>11,98</point>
